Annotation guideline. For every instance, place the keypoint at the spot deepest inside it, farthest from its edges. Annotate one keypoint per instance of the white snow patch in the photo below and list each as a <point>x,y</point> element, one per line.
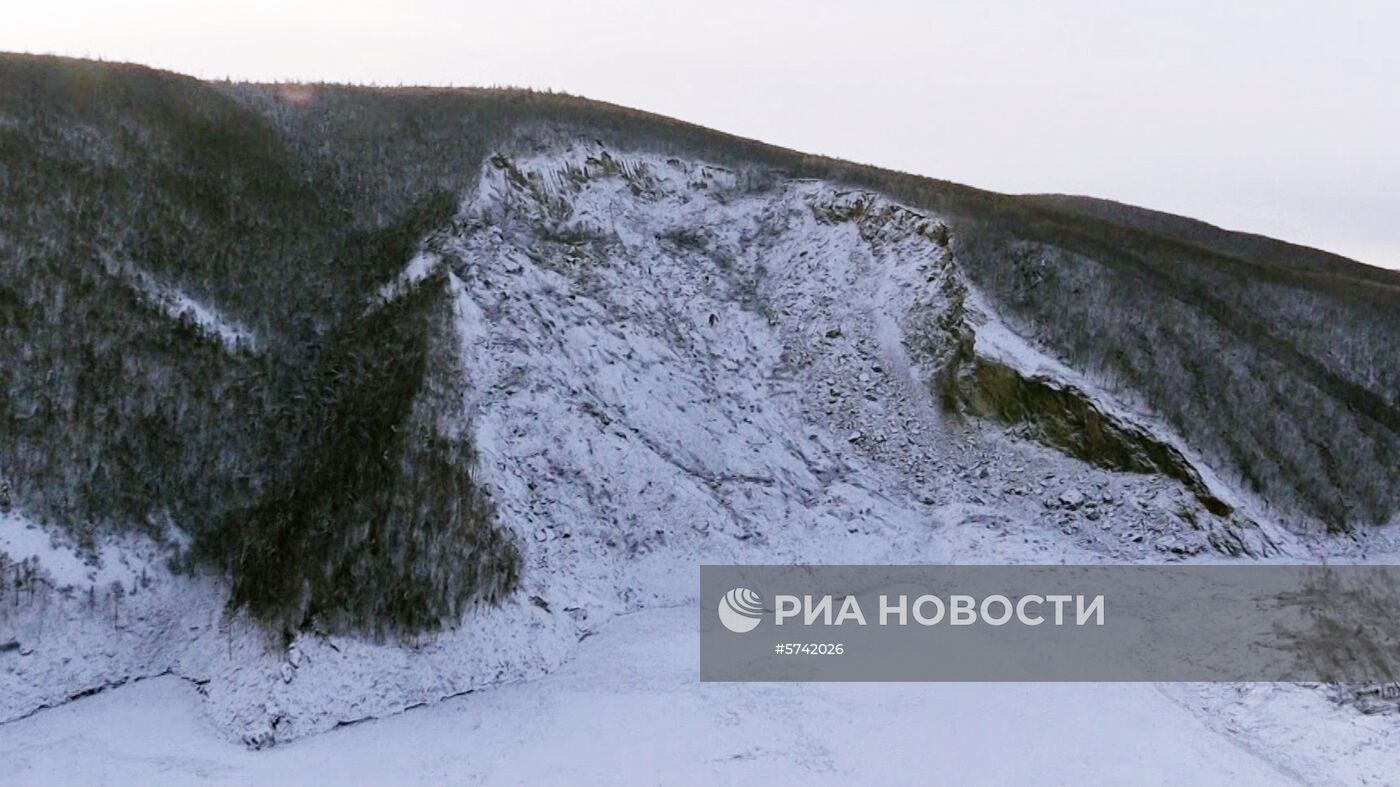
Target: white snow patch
<point>22,539</point>
<point>419,268</point>
<point>209,319</point>
<point>180,306</point>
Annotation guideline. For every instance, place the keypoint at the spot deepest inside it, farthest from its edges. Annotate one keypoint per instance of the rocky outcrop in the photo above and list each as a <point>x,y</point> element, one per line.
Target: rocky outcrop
<point>1059,414</point>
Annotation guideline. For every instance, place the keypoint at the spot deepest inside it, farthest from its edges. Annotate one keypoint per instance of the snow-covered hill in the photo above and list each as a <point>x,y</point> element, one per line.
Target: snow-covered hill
<point>668,363</point>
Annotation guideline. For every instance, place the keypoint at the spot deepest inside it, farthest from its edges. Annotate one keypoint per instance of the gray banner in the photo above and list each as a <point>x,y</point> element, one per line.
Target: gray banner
<point>1050,623</point>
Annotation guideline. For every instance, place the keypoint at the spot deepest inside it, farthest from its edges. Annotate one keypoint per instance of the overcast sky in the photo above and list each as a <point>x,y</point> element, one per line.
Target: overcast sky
<point>1274,117</point>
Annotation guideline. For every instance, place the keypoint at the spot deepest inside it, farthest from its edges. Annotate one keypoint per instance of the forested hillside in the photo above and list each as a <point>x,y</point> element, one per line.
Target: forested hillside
<point>186,271</point>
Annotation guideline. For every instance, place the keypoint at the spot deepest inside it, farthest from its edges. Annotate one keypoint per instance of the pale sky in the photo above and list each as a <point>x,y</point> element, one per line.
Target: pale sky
<point>1275,117</point>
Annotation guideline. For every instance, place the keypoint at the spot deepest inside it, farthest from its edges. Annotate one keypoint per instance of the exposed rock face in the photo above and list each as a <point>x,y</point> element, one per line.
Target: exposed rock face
<point>1063,416</point>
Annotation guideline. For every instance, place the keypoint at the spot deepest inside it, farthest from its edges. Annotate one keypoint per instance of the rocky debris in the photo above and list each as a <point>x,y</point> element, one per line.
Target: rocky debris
<point>1382,698</point>
<point>1071,499</point>
<point>262,733</point>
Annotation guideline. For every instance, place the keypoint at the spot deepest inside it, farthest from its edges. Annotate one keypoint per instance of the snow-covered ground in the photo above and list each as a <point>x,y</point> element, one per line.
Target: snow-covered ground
<point>180,306</point>
<point>628,708</point>
<point>670,363</point>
